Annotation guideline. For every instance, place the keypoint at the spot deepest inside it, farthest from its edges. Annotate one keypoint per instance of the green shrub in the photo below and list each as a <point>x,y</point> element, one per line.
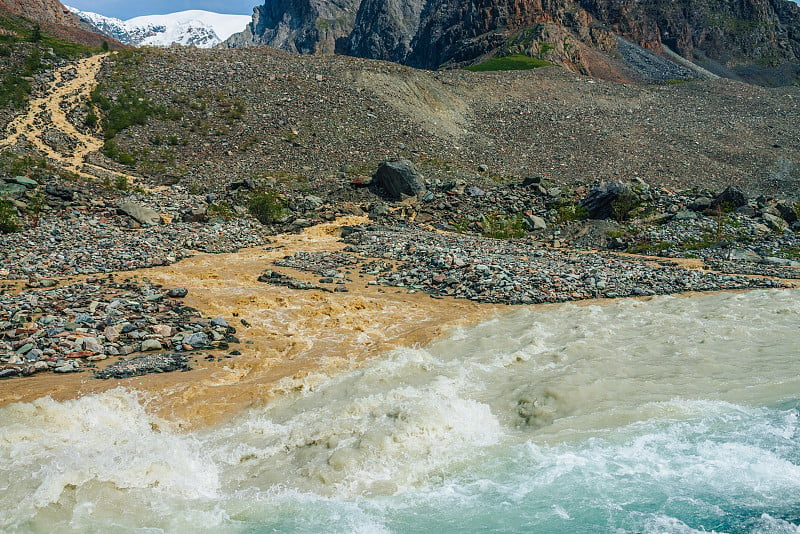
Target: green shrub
<point>111,150</point>
<point>625,206</point>
<point>221,210</point>
<point>501,226</point>
<point>9,221</point>
<point>266,206</point>
<point>570,211</point>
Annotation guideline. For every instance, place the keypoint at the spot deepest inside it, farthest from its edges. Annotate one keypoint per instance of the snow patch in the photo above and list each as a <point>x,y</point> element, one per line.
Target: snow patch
<point>202,29</point>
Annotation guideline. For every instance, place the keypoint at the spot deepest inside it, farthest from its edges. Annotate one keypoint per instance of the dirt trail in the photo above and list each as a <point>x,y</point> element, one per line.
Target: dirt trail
<point>47,116</point>
<point>290,339</point>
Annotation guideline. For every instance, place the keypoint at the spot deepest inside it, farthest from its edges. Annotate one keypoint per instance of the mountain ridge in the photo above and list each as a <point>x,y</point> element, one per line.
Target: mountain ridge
<point>200,28</point>
<point>750,40</point>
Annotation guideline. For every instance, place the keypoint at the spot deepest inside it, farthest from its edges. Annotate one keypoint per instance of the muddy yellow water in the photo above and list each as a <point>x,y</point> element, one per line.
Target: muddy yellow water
<point>292,336</point>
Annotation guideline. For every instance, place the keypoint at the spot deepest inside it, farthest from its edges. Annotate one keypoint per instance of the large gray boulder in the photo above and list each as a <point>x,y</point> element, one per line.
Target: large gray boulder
<point>730,199</point>
<point>139,213</point>
<point>600,200</point>
<point>398,178</point>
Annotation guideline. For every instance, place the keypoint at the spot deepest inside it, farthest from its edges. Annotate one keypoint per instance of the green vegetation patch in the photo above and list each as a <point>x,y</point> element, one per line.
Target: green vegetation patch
<point>515,62</point>
<point>9,222</point>
<point>267,206</point>
<point>502,226</point>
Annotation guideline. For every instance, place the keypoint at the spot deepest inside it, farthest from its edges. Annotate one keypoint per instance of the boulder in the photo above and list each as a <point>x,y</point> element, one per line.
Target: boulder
<point>535,179</point>
<point>700,204</point>
<point>12,189</point>
<point>730,199</point>
<point>742,254</point>
<point>774,222</point>
<point>151,344</point>
<point>600,200</point>
<point>139,213</point>
<point>25,181</point>
<point>177,292</point>
<point>787,211</point>
<point>60,192</point>
<point>398,178</point>
<point>194,214</point>
<point>196,340</point>
<point>534,222</point>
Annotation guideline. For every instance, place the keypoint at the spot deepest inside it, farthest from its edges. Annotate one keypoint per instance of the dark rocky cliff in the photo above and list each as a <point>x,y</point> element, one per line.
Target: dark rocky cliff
<point>301,26</point>
<point>758,40</point>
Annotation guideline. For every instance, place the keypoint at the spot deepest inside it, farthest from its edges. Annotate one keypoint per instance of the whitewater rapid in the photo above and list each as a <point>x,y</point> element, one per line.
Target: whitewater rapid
<point>668,415</point>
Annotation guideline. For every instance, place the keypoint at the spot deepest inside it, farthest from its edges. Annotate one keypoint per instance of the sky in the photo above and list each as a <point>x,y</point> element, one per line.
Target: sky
<point>126,9</point>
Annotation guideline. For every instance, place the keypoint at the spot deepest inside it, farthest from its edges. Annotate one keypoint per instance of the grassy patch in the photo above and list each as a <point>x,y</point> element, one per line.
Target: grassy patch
<point>515,62</point>
<point>501,226</point>
<point>9,222</point>
<point>221,210</point>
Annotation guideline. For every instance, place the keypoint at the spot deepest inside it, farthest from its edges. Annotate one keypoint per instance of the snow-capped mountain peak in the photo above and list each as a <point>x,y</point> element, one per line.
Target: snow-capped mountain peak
<point>202,29</point>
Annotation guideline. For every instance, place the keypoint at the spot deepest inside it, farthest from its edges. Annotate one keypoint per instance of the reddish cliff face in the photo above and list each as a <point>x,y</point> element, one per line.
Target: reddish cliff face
<point>41,11</point>
<point>55,20</point>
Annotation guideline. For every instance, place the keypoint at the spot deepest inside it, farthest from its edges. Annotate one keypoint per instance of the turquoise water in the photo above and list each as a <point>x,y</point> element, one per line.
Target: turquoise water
<point>673,415</point>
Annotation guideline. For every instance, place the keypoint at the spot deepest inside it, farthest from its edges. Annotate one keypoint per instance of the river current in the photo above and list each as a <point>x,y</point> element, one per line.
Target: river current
<point>674,415</point>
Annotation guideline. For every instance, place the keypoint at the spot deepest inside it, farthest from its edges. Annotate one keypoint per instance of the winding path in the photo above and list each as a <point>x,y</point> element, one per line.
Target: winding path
<point>72,85</point>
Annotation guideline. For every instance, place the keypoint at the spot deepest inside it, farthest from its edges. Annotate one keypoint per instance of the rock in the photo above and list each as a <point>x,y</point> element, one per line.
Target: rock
<point>398,178</point>
<point>534,222</point>
<point>59,191</point>
<point>151,344</point>
<point>686,215</point>
<point>196,340</point>
<point>700,204</point>
<point>91,344</point>
<point>748,211</point>
<point>742,254</point>
<point>141,214</point>
<point>145,364</point>
<point>111,333</point>
<point>475,192</point>
<point>483,168</point>
<point>536,179</point>
<point>730,199</point>
<point>12,190</point>
<point>25,181</point>
<point>195,214</point>
<point>219,321</point>
<point>162,330</point>
<point>599,202</point>
<point>787,211</point>
<point>774,222</point>
<point>66,368</point>
<point>177,292</point>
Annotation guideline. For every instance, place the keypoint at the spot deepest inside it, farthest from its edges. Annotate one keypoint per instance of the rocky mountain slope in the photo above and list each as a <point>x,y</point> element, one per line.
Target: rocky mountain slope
<point>203,29</point>
<point>327,120</point>
<point>755,40</point>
